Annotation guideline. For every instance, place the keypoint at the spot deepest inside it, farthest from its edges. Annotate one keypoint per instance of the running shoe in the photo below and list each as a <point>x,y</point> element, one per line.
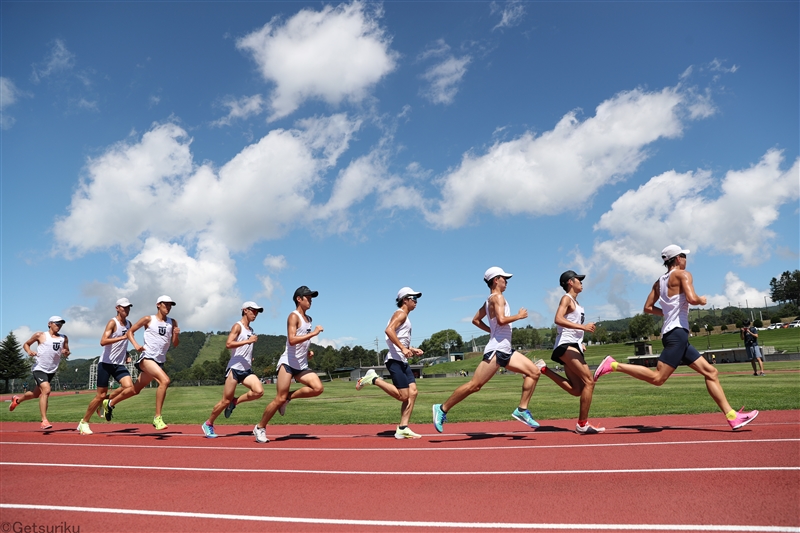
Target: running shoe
<point>261,434</point>
<point>158,423</point>
<point>525,417</point>
<point>209,430</point>
<point>83,428</point>
<point>282,408</point>
<point>405,434</point>
<point>755,373</point>
<point>742,419</point>
<point>230,408</point>
<point>439,417</point>
<point>604,368</point>
<point>46,425</point>
<point>762,374</point>
<point>540,364</point>
<point>14,403</point>
<point>108,410</point>
<point>368,379</point>
<point>588,429</point>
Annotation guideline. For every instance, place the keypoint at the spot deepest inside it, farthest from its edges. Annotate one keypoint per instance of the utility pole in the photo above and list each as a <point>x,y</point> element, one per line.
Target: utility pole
<point>377,352</point>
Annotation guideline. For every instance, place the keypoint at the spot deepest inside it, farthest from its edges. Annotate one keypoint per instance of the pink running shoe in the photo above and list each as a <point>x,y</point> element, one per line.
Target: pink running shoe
<point>742,419</point>
<point>14,403</point>
<point>604,368</point>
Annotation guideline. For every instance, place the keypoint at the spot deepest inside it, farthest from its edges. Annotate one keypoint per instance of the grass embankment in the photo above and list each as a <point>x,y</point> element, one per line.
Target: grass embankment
<point>615,395</point>
<point>211,349</point>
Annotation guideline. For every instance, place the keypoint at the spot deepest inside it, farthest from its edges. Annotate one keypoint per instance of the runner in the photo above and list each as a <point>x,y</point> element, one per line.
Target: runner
<point>404,386</point>
<point>294,362</point>
<point>52,346</point>
<point>111,364</point>
<point>239,370</point>
<point>675,292</point>
<point>497,354</point>
<point>569,350</point>
<point>160,332</point>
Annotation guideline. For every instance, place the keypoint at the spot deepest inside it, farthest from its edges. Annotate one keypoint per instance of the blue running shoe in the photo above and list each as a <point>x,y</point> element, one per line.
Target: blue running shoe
<point>230,408</point>
<point>209,431</point>
<point>439,417</point>
<point>525,417</point>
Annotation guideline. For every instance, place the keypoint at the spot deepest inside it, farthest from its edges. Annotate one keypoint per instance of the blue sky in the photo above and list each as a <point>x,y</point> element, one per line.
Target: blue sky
<point>220,152</point>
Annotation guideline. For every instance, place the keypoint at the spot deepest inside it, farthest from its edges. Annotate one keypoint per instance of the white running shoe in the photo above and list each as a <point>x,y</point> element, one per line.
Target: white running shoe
<point>368,379</point>
<point>588,429</point>
<point>261,434</point>
<point>406,434</point>
<point>83,428</point>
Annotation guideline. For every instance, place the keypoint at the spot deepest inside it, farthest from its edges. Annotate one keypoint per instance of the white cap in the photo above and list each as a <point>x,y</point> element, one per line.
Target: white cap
<point>55,318</point>
<point>252,305</point>
<point>494,272</point>
<point>406,292</point>
<point>124,302</point>
<point>671,251</point>
<point>165,299</point>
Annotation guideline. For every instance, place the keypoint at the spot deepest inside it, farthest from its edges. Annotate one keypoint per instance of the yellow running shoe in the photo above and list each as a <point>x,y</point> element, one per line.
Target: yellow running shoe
<point>158,423</point>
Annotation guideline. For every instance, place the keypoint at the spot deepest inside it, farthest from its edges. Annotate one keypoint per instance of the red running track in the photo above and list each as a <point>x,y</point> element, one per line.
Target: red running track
<point>668,473</point>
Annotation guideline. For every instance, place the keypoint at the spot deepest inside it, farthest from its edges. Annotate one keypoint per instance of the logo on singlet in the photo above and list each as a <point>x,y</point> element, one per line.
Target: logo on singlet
<point>582,317</point>
<point>56,346</point>
<point>162,330</point>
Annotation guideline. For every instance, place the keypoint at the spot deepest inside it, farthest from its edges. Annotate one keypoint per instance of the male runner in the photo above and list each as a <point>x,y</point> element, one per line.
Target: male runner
<point>675,292</point>
<point>404,386</point>
<point>497,354</point>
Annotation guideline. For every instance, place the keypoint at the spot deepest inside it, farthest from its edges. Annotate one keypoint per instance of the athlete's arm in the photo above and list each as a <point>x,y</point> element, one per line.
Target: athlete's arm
<point>36,337</point>
<point>140,324</point>
<point>106,339</point>
<point>397,320</point>
<point>176,331</point>
<point>65,350</point>
<point>650,305</point>
<point>566,306</point>
<point>291,331</point>
<point>687,286</point>
<point>477,320</point>
<point>499,307</point>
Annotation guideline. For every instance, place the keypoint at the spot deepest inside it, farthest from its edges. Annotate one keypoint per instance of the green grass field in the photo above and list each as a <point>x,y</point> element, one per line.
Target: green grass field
<point>211,350</point>
<point>615,395</point>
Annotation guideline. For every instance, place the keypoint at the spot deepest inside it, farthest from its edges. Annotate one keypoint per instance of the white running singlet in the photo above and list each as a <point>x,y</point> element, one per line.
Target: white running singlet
<point>570,335</point>
<point>157,339</point>
<point>242,357</point>
<point>500,340</point>
<point>675,308</point>
<point>297,356</point>
<point>48,353</point>
<point>115,353</point>
<point>403,333</point>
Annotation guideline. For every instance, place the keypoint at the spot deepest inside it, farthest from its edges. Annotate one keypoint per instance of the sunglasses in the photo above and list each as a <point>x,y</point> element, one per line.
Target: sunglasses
<point>411,298</point>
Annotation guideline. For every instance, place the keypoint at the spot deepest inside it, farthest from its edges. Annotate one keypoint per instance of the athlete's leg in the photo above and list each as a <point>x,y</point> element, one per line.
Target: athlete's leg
<point>228,391</point>
<point>127,388</point>
<point>712,383</point>
<point>153,369</point>
<point>530,372</point>
<point>482,375</point>
<point>256,389</point>
<point>95,403</point>
<point>312,386</point>
<point>282,385</point>
<point>44,396</point>
<point>408,397</point>
<point>662,372</point>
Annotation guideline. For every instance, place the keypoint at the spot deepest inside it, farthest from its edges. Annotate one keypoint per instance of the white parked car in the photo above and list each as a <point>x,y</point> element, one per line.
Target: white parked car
<point>795,324</point>
<point>776,325</point>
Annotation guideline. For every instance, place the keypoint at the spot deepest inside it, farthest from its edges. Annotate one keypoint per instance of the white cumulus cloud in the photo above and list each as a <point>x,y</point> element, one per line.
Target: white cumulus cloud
<point>9,94</point>
<point>335,54</point>
<point>562,168</point>
<point>738,293</point>
<point>682,208</point>
<point>240,108</point>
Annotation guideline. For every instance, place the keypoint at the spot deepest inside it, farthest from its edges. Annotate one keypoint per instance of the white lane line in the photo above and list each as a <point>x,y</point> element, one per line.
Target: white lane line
<point>406,473</point>
<point>414,524</point>
<point>270,448</point>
